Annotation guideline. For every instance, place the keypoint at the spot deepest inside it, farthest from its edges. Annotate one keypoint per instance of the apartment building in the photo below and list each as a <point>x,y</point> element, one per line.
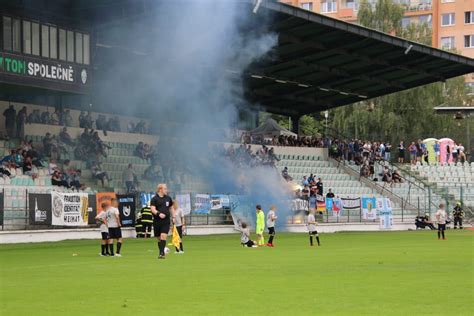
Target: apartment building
<point>452,21</point>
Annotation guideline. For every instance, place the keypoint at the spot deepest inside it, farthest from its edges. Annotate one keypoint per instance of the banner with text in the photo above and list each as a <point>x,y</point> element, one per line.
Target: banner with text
<point>202,204</point>
<point>369,208</point>
<point>40,209</point>
<point>384,207</point>
<point>350,203</point>
<point>184,203</point>
<point>298,205</point>
<point>127,208</point>
<point>70,209</point>
<point>219,201</point>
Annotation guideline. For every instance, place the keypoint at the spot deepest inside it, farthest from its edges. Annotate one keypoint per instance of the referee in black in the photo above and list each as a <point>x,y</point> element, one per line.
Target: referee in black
<point>162,214</point>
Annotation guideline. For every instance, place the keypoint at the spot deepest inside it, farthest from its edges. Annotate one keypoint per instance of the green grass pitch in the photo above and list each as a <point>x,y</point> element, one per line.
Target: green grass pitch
<point>379,273</point>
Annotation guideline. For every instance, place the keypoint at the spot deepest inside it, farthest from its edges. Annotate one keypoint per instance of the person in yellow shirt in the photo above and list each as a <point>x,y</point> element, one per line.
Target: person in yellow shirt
<point>260,225</point>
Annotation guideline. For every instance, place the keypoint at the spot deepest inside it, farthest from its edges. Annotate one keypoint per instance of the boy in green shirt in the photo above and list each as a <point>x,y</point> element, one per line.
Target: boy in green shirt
<point>260,225</point>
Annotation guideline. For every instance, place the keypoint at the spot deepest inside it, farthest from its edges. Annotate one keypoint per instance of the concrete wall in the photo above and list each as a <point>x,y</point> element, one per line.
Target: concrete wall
<point>34,236</point>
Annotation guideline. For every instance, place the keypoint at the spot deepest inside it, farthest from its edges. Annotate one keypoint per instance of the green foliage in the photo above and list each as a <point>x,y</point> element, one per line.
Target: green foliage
<point>406,115</point>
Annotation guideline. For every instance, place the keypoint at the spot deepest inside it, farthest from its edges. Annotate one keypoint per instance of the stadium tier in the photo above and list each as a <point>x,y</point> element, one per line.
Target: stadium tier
<point>456,181</point>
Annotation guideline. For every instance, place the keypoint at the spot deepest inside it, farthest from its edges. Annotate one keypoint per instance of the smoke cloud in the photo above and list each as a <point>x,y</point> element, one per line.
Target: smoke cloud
<point>193,73</point>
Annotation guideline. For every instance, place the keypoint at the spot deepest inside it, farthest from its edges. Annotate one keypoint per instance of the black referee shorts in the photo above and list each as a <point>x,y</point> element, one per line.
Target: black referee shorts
<point>115,232</point>
<point>314,233</point>
<point>271,230</point>
<point>161,227</point>
<point>441,227</point>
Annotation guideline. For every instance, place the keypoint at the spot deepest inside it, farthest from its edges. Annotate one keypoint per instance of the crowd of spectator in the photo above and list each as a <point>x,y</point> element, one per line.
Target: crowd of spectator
<point>25,157</point>
<point>15,121</point>
<point>244,156</point>
<point>283,140</point>
<point>67,176</point>
<point>144,151</point>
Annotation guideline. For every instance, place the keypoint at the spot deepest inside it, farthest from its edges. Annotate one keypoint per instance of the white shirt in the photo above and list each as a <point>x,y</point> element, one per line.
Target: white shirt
<point>441,216</point>
<point>178,216</point>
<point>103,226</point>
<point>270,220</point>
<point>310,223</point>
<point>111,217</point>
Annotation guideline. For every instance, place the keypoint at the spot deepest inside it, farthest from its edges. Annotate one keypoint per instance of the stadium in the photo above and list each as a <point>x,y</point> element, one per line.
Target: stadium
<point>236,157</point>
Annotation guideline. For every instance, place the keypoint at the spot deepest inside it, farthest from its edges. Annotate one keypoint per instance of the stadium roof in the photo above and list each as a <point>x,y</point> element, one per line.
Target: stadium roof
<point>318,63</point>
<point>321,63</point>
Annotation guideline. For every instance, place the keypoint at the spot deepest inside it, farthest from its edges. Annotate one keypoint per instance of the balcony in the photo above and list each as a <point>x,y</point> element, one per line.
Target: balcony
<point>417,8</point>
<point>347,14</point>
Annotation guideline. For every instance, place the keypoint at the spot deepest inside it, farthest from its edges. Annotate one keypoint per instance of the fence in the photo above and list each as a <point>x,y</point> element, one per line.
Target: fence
<point>16,213</point>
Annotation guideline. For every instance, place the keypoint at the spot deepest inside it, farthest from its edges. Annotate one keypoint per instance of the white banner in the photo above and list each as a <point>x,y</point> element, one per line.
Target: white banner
<point>350,203</point>
<point>384,207</point>
<point>69,209</point>
<point>202,204</point>
<point>184,202</point>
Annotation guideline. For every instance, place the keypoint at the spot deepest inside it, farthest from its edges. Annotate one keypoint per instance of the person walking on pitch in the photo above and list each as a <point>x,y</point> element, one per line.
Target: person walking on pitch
<point>311,224</point>
<point>271,218</point>
<point>104,230</point>
<point>441,218</point>
<point>162,210</point>
<point>260,225</point>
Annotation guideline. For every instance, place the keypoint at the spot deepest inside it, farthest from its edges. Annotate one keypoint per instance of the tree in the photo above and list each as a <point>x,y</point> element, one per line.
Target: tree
<point>409,114</point>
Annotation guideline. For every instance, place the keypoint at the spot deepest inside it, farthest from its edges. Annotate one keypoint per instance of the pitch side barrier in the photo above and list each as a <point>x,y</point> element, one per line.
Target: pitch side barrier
<point>21,209</point>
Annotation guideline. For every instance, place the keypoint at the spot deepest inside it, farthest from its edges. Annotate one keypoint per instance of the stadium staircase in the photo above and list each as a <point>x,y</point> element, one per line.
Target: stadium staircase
<point>344,182</point>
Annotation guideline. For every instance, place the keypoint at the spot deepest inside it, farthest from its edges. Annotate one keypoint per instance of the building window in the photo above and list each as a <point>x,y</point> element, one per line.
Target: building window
<point>16,36</point>
<point>70,46</point>
<point>447,1</point>
<point>448,19</point>
<point>79,48</point>
<point>307,6</point>
<point>469,17</point>
<point>7,33</point>
<point>26,37</point>
<point>53,42</point>
<point>447,42</point>
<point>62,44</point>
<point>425,19</point>
<point>469,41</point>
<point>350,4</point>
<point>35,39</point>
<point>86,49</point>
<point>328,6</point>
<point>470,88</point>
<point>44,41</point>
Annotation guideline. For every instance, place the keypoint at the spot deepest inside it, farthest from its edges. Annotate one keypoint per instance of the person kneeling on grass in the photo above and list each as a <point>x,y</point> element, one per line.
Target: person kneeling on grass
<point>311,224</point>
<point>245,235</point>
